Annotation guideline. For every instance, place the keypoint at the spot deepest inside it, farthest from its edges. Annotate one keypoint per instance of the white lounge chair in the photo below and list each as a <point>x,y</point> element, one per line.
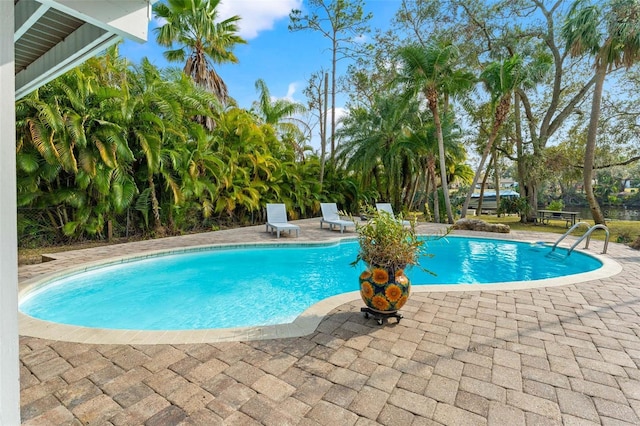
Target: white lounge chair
<point>386,207</point>
<point>331,217</point>
<point>277,220</point>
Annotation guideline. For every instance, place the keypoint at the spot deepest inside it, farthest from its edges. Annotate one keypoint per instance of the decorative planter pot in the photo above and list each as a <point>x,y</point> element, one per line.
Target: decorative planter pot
<point>384,290</point>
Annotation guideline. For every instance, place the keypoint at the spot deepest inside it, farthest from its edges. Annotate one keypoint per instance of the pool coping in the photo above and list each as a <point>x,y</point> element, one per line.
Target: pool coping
<point>304,324</point>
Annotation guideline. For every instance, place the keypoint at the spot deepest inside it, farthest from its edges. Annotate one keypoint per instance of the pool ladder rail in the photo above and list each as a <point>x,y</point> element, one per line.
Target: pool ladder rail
<point>586,235</point>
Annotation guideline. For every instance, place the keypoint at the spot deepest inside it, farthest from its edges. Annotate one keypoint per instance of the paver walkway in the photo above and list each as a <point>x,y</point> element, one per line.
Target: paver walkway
<point>560,355</point>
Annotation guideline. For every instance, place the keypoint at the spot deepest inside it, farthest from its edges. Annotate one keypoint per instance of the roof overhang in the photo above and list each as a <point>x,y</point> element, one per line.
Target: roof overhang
<point>53,36</point>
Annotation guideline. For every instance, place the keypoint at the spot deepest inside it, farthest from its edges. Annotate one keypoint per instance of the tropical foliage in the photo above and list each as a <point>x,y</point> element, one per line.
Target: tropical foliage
<point>614,41</point>
<point>433,71</point>
<point>130,149</point>
<point>386,243</point>
<point>110,143</point>
<point>194,35</point>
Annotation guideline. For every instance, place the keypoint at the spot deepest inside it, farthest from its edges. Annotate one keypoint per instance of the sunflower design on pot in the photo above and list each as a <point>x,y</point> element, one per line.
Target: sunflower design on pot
<point>380,276</point>
<point>387,247</point>
<point>387,296</point>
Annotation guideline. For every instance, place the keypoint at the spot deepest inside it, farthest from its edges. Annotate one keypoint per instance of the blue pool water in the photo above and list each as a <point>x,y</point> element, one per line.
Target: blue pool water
<point>222,288</point>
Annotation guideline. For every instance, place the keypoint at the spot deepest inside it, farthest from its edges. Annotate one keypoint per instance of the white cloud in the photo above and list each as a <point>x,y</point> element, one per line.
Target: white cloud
<point>360,39</point>
<point>340,112</point>
<point>291,90</point>
<point>257,15</point>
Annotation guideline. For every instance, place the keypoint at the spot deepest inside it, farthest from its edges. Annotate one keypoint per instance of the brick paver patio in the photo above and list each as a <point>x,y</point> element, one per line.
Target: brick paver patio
<point>543,356</point>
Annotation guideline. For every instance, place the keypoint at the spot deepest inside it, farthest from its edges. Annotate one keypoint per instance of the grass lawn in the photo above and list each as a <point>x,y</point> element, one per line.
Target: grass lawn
<point>621,231</point>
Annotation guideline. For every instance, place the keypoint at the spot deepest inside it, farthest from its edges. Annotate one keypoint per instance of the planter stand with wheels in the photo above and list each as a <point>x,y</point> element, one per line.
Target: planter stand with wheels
<point>381,316</point>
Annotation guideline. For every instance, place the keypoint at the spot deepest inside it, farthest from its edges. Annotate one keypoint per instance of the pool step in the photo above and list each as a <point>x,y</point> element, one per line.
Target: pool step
<point>556,255</point>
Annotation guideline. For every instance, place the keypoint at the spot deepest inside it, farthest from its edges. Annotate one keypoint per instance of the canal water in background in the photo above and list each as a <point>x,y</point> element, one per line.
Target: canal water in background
<point>616,213</point>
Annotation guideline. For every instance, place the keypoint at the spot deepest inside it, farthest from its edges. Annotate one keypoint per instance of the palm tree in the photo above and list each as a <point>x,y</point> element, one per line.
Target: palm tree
<point>200,41</point>
<point>75,157</point>
<point>201,170</point>
<point>431,71</point>
<point>611,33</point>
<point>422,142</point>
<point>169,143</point>
<point>247,149</point>
<point>280,113</point>
<point>372,145</point>
<point>501,79</point>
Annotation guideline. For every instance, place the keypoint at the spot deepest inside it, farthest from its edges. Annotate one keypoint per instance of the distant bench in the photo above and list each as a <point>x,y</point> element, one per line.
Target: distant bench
<point>569,218</point>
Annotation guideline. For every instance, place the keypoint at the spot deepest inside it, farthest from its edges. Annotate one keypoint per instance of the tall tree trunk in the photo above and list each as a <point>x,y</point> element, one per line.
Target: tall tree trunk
<point>427,180</point>
<point>155,205</point>
<point>500,115</point>
<point>496,178</point>
<point>482,187</point>
<point>590,150</point>
<point>432,97</point>
<point>376,177</point>
<point>522,171</point>
<point>428,213</point>
<point>333,100</point>
<point>404,192</point>
<point>431,164</point>
<point>479,170</point>
<point>411,194</point>
<point>436,198</point>
<point>323,128</point>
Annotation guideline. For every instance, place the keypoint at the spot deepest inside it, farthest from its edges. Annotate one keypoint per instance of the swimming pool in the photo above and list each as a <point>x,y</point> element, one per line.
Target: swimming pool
<point>262,285</point>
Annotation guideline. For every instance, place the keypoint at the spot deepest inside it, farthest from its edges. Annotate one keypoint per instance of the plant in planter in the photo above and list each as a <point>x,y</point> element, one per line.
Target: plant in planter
<point>387,247</point>
<point>556,205</point>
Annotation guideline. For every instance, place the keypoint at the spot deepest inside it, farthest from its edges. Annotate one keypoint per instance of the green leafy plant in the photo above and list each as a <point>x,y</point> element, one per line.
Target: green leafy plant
<point>624,237</point>
<point>510,205</point>
<point>556,205</point>
<point>385,242</point>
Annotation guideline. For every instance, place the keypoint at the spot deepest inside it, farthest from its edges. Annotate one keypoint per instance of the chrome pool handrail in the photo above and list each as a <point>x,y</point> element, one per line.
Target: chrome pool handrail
<point>586,235</point>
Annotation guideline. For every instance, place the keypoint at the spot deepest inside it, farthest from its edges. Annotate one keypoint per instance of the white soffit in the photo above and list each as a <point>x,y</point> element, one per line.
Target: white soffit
<point>53,36</point>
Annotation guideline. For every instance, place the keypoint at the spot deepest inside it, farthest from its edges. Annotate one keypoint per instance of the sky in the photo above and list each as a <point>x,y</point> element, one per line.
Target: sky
<point>283,59</point>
